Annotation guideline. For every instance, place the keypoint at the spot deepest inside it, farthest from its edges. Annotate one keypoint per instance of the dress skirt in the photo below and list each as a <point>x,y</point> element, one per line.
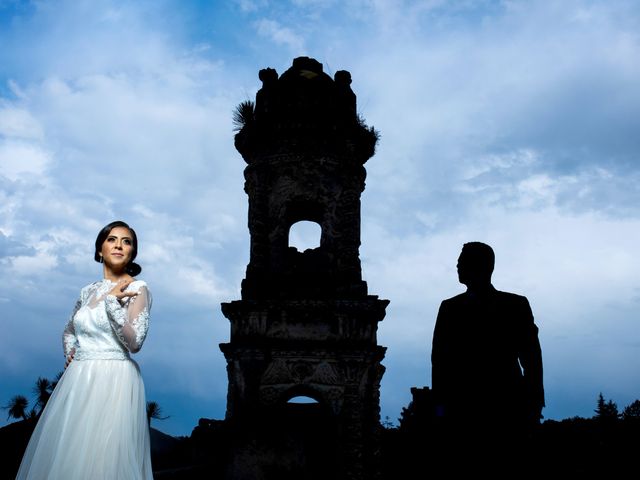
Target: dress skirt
<point>94,426</point>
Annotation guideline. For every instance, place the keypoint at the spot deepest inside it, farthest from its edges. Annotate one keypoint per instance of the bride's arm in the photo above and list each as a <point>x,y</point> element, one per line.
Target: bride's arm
<point>130,320</point>
<point>69,340</point>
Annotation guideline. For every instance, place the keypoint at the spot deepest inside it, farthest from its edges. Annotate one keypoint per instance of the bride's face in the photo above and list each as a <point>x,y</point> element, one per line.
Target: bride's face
<point>117,248</point>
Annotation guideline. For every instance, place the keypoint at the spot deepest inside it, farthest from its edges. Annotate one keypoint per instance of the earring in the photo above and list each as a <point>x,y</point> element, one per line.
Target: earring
<point>101,259</point>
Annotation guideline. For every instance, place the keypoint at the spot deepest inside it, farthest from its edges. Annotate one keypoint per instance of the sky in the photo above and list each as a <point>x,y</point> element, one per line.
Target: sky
<point>514,123</point>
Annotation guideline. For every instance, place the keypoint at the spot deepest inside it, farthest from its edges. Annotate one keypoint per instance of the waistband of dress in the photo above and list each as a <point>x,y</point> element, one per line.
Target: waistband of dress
<point>102,355</point>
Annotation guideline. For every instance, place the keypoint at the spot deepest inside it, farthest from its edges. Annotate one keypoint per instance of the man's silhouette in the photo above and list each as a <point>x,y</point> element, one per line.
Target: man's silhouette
<point>486,360</point>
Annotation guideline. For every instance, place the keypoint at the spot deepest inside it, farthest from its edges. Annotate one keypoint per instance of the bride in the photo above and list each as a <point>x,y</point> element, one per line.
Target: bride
<point>94,425</point>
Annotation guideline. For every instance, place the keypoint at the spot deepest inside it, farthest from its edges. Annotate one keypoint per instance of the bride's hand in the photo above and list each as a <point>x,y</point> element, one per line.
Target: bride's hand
<point>69,358</point>
<point>118,290</point>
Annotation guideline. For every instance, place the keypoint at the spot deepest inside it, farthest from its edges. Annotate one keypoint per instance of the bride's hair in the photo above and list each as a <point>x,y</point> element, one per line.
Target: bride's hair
<point>132,268</point>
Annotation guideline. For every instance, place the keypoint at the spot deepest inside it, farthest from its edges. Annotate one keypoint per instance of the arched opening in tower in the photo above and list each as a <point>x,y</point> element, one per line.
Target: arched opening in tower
<point>305,235</point>
<point>306,423</point>
<point>302,399</point>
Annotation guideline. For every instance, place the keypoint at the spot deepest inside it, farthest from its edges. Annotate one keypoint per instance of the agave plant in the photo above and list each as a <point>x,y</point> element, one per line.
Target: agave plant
<point>17,407</point>
<point>243,115</point>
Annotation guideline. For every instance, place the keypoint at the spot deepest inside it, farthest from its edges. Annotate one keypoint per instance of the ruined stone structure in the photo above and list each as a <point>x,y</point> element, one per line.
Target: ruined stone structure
<point>306,325</point>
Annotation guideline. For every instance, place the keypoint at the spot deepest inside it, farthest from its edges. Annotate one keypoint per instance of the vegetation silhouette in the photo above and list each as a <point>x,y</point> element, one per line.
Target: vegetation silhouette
<point>632,411</point>
<point>17,407</point>
<point>15,436</point>
<point>605,444</point>
<point>606,411</point>
<point>154,411</point>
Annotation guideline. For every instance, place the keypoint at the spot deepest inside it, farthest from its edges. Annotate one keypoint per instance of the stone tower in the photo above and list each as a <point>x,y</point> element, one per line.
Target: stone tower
<point>306,325</point>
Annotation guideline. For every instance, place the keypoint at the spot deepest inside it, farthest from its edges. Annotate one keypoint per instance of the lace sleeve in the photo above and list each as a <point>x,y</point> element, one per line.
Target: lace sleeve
<point>69,341</point>
<point>130,320</point>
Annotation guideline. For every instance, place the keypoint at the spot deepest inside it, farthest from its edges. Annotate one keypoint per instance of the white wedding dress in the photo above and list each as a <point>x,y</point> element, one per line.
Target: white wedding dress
<point>95,425</point>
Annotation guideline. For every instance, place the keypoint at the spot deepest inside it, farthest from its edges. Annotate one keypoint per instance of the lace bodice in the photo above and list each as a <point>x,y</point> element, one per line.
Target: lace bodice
<point>102,327</point>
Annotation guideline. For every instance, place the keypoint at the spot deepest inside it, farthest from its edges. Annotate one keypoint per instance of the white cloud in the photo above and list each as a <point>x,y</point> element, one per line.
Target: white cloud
<point>280,35</point>
<point>18,159</point>
<point>36,265</point>
<point>18,123</point>
<point>248,6</point>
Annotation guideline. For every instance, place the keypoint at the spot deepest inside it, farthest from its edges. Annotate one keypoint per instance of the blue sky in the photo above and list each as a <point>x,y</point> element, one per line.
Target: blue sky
<point>510,122</point>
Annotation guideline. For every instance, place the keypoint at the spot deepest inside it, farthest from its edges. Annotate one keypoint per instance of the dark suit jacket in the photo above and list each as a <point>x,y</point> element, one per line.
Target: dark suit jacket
<point>486,358</point>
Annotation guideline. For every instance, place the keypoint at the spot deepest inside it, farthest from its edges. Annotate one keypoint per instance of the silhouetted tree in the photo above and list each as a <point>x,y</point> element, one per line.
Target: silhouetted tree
<point>387,423</point>
<point>632,411</point>
<point>42,390</point>
<point>17,407</point>
<point>154,411</point>
<point>606,410</point>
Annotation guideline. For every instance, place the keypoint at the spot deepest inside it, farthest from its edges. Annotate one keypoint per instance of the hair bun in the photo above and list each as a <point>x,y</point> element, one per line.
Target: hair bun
<point>133,269</point>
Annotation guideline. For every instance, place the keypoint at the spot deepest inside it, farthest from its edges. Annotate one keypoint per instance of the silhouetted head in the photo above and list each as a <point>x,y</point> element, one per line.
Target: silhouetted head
<point>475,265</point>
<point>132,268</point>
